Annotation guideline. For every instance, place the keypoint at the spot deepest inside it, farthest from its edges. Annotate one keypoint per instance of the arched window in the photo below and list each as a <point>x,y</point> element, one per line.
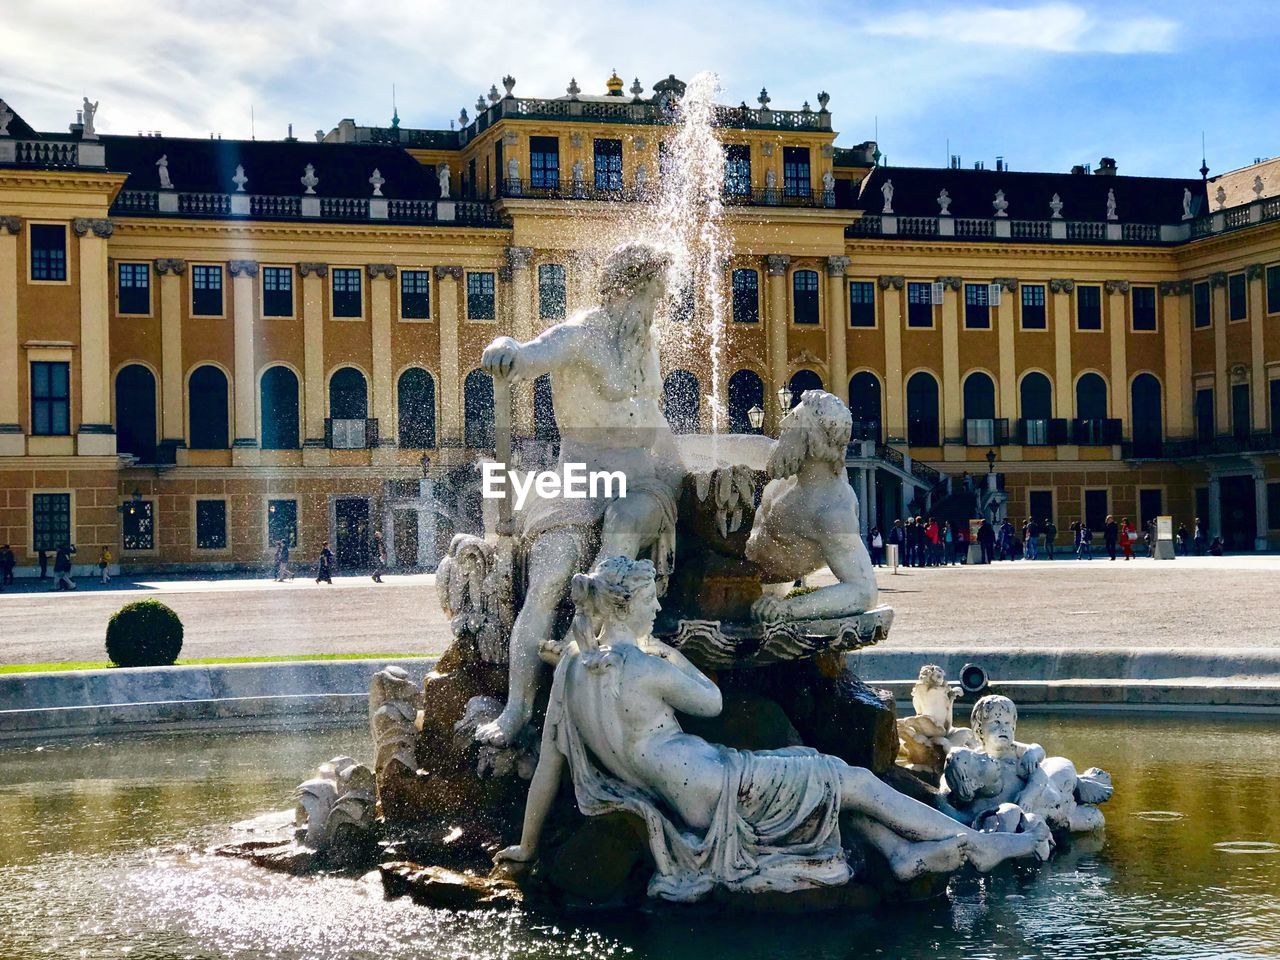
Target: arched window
<point>1091,397</point>
<point>864,405</point>
<point>348,395</point>
<point>804,296</point>
<point>979,397</point>
<point>477,408</point>
<point>544,411</point>
<point>279,409</point>
<point>1147,416</point>
<point>416,401</point>
<point>207,401</point>
<point>136,412</point>
<point>1036,394</point>
<point>801,381</point>
<point>682,401</point>
<point>746,390</point>
<point>922,410</point>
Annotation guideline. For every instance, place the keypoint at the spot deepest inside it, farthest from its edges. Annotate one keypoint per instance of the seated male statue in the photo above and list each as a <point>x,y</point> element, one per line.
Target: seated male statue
<point>605,387</point>
<point>716,816</point>
<point>808,518</point>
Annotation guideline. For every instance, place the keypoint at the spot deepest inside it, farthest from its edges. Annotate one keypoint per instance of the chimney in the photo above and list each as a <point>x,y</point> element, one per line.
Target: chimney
<point>999,164</point>
<point>1106,167</point>
<point>955,161</point>
<point>1079,169</point>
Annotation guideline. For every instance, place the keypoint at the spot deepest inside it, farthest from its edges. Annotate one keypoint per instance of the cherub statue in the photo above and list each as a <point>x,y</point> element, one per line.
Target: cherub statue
<point>716,817</point>
<point>808,518</point>
<point>925,739</point>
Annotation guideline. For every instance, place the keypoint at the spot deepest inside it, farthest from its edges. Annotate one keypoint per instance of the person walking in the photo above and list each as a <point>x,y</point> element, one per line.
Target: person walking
<point>876,542</point>
<point>62,568</point>
<point>379,557</point>
<point>948,544</point>
<point>933,542</point>
<point>1050,535</point>
<point>1085,550</point>
<point>7,563</point>
<point>986,541</point>
<point>43,559</point>
<point>104,564</point>
<point>1184,540</point>
<point>1128,537</point>
<point>898,538</point>
<point>1201,538</point>
<point>1030,534</point>
<point>324,565</point>
<point>1110,535</point>
<point>1005,540</point>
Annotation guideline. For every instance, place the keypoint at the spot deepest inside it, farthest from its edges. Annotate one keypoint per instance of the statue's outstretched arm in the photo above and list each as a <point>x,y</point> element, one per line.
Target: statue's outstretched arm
<point>847,557</point>
<point>548,351</point>
<point>542,793</point>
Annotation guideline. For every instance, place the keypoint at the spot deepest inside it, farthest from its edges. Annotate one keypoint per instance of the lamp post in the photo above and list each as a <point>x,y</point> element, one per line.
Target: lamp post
<point>784,400</point>
<point>991,461</point>
<point>755,416</point>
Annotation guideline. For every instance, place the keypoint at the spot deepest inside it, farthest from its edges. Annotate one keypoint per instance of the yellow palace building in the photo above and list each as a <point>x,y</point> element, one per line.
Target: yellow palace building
<point>207,346</point>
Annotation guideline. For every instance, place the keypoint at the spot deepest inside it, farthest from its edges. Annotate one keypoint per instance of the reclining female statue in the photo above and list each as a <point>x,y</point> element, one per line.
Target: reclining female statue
<point>744,820</point>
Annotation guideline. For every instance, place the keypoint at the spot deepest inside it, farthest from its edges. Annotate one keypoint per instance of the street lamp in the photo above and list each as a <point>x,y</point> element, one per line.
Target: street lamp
<point>991,461</point>
<point>131,507</point>
<point>755,416</point>
<point>426,466</point>
<point>784,399</point>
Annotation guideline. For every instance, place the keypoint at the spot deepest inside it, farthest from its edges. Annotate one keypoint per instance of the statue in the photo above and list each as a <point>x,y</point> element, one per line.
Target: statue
<point>642,178</point>
<point>886,191</point>
<point>162,165</point>
<point>394,701</point>
<point>1055,206</point>
<point>337,805</point>
<point>88,112</point>
<point>925,740</point>
<point>474,586</point>
<point>808,518</point>
<point>1000,204</point>
<point>715,816</point>
<point>577,171</point>
<point>606,387</point>
<point>1221,197</point>
<point>944,203</point>
<point>376,181</point>
<point>1111,205</point>
<point>770,179</point>
<point>1258,186</point>
<point>239,179</point>
<point>828,182</point>
<point>442,177</point>
<point>1186,203</point>
<point>309,178</point>
<point>6,117</point>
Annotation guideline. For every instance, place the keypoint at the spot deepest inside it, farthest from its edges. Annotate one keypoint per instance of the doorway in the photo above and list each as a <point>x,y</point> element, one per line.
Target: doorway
<point>351,522</point>
<point>406,537</point>
<point>1238,511</point>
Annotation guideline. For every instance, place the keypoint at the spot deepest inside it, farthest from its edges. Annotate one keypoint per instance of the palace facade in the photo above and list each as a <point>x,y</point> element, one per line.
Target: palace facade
<point>210,345</point>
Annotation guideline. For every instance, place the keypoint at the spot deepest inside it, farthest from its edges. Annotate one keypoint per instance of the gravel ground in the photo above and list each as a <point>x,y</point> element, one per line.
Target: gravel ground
<point>1141,603</point>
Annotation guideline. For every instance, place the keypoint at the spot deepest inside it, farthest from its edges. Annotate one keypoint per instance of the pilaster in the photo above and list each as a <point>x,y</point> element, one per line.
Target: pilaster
<point>313,275</point>
<point>383,406</point>
<point>449,280</point>
<point>895,421</point>
<point>1006,317</point>
<point>1221,383</point>
<point>952,405</point>
<point>1257,352</point>
<point>1118,330</point>
<point>173,428</point>
<point>776,280</point>
<point>244,307</point>
<point>96,433</point>
<point>838,327</point>
<point>12,442</point>
<point>1177,373</point>
<point>1064,381</point>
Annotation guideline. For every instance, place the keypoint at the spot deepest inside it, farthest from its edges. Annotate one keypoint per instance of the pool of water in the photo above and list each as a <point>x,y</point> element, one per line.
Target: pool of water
<point>102,854</point>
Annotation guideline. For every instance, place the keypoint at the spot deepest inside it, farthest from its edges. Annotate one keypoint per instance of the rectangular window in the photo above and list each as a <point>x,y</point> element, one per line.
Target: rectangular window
<point>277,291</point>
<point>133,288</point>
<point>1143,300</point>
<point>211,524</point>
<point>1150,506</point>
<point>50,520</point>
<point>1095,512</point>
<point>415,294</point>
<point>206,291</point>
<point>551,291</point>
<point>804,296</point>
<point>1273,293</point>
<point>137,525</point>
<point>746,296</point>
<point>795,171</point>
<point>977,306</point>
<point>737,170</point>
<point>48,251</point>
<point>862,303</point>
<point>608,164</point>
<point>1241,421</point>
<point>50,399</point>
<point>282,522</point>
<point>1088,308</point>
<point>1273,506</point>
<point>480,296</point>
<point>1033,315</point>
<point>1237,298</point>
<point>544,163</point>
<point>347,299</point>
<point>1040,505</point>
<point>1204,414</point>
<point>1200,308</point>
<point>919,305</point>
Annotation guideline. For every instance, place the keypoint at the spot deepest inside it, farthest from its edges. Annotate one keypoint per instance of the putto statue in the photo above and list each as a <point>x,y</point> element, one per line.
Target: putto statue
<point>715,816</point>
<point>808,518</point>
<point>336,806</point>
<point>926,739</point>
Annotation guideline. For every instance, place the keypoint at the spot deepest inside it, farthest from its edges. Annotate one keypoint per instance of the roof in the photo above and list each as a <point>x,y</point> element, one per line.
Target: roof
<point>1083,196</point>
<point>272,166</point>
<point>1238,184</point>
<point>18,128</point>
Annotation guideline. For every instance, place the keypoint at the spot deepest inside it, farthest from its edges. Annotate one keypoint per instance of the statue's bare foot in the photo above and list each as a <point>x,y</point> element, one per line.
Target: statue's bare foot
<point>986,850</point>
<point>502,731</point>
<point>930,856</point>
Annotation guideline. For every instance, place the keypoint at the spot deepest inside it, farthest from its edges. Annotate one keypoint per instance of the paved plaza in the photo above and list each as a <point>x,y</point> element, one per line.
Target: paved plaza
<point>1230,602</point>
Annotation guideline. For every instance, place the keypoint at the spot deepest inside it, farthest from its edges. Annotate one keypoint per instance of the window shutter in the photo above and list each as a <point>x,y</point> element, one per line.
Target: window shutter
<point>328,432</point>
<point>936,295</point>
<point>993,294</point>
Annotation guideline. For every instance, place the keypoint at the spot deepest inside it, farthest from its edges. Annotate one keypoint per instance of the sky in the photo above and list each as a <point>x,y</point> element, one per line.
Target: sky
<point>1046,84</point>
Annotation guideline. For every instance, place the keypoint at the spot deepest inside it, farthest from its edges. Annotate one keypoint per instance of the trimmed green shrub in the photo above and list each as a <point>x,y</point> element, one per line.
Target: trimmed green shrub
<point>144,634</point>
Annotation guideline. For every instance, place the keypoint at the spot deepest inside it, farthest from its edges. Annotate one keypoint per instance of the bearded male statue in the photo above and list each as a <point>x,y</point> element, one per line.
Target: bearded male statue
<point>605,387</point>
<point>808,518</point>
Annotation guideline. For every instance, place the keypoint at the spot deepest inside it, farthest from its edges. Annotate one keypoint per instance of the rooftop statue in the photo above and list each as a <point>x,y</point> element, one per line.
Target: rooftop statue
<point>162,167</point>
<point>886,191</point>
<point>442,176</point>
<point>716,817</point>
<point>88,112</point>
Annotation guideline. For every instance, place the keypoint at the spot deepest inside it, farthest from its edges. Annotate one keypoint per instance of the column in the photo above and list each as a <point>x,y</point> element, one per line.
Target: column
<point>871,506</point>
<point>244,307</point>
<point>389,527</point>
<point>1118,330</point>
<point>313,275</point>
<point>776,279</point>
<point>837,327</point>
<point>864,513</point>
<point>383,407</point>
<point>952,406</point>
<point>12,442</point>
<point>1215,507</point>
<point>1257,353</point>
<point>449,280</point>
<point>895,420</point>
<point>97,434</point>
<point>173,429</point>
<point>519,260</point>
<point>1221,383</point>
<point>1260,508</point>
<point>1060,292</point>
<point>426,524</point>
<point>1007,387</point>
<point>1174,318</point>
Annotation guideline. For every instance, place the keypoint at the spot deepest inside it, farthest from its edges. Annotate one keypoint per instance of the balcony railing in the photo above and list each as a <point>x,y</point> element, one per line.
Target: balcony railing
<point>546,189</point>
<point>1187,447</point>
<point>1000,229</point>
<point>345,433</point>
<point>1095,433</point>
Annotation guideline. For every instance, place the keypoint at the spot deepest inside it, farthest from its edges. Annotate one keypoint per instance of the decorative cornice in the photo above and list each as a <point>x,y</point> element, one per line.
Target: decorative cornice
<point>1253,271</point>
<point>164,264</point>
<point>1009,284</point>
<point>885,281</point>
<point>455,272</point>
<point>1062,285</point>
<point>776,264</point>
<point>309,267</point>
<point>375,270</point>
<point>836,266</point>
<point>1116,286</point>
<point>951,283</point>
<point>1218,279</point>
<point>243,268</point>
<point>11,224</point>
<point>519,258</point>
<point>101,228</point>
